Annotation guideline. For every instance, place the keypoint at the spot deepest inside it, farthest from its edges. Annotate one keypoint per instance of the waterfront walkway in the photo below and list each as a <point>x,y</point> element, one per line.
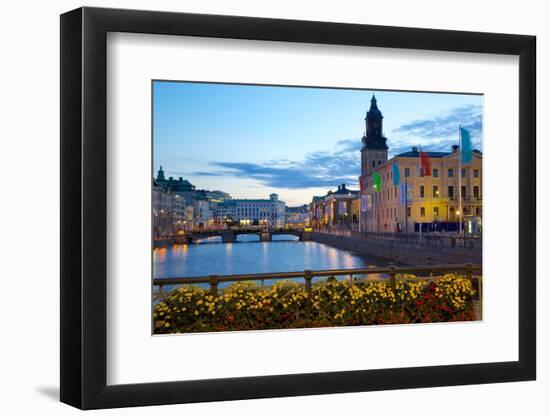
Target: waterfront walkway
<point>406,249</point>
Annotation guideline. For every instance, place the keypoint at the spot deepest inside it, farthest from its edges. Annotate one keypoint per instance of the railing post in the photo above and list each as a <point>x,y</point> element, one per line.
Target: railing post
<point>469,272</point>
<point>308,276</point>
<point>392,273</point>
<point>214,280</point>
<point>429,262</point>
<point>161,288</point>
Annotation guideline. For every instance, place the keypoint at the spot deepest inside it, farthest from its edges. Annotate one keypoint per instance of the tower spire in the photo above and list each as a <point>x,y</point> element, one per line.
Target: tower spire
<point>160,174</point>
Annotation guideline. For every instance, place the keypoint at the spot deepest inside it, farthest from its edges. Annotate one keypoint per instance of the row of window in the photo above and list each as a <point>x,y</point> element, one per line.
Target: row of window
<point>435,173</point>
<point>391,212</point>
<point>392,193</point>
<point>450,191</point>
<point>450,172</point>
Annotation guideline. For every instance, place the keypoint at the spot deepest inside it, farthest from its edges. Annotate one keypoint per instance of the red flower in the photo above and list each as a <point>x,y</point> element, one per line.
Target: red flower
<point>419,302</point>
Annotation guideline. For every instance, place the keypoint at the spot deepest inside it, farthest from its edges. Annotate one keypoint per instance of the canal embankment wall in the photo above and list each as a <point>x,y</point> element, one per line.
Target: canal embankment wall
<point>407,253</point>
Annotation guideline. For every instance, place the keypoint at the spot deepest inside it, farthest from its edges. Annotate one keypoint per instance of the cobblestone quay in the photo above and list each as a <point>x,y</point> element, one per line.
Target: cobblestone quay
<point>400,251</point>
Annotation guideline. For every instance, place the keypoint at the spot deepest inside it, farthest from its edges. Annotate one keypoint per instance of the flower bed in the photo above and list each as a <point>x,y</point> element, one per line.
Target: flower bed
<point>285,305</point>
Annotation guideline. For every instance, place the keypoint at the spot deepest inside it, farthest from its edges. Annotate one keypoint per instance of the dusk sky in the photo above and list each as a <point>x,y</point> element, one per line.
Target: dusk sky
<point>251,141</point>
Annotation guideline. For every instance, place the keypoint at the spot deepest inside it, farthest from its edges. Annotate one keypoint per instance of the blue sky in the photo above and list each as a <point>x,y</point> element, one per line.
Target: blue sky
<point>251,141</point>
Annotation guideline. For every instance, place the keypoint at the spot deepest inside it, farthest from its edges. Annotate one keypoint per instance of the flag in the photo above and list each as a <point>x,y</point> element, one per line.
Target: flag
<point>361,186</point>
<point>377,182</point>
<point>342,208</point>
<point>426,168</point>
<point>395,174</point>
<point>405,194</point>
<point>465,146</point>
<point>363,203</point>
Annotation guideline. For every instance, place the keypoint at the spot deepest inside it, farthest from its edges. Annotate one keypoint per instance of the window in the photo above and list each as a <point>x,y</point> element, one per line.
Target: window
<point>476,191</point>
<point>450,172</point>
<point>408,212</point>
<point>463,172</point>
<point>476,173</point>
<point>463,191</point>
<point>435,172</point>
<point>421,191</point>
<point>373,163</point>
<point>379,162</point>
<point>435,190</point>
<point>478,211</point>
<point>451,191</point>
<point>407,172</point>
<point>422,211</point>
<point>436,212</point>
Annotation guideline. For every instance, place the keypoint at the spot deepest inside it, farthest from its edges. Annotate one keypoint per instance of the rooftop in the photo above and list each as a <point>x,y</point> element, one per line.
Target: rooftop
<point>415,153</point>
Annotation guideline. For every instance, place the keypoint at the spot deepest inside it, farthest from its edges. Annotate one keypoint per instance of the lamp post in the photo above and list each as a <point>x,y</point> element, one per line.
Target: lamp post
<point>458,220</point>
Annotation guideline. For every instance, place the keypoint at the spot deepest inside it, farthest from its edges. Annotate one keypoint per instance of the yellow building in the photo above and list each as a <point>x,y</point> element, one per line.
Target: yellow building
<point>433,203</point>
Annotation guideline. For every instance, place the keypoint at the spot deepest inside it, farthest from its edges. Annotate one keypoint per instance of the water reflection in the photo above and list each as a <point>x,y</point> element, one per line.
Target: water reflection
<point>248,256</point>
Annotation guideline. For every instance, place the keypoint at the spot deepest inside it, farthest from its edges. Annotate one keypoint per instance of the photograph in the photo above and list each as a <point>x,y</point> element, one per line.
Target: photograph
<point>288,207</point>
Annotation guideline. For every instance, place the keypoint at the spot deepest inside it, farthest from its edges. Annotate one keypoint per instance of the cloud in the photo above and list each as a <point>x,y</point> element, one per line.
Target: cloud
<point>327,169</point>
<point>317,169</point>
<point>441,130</point>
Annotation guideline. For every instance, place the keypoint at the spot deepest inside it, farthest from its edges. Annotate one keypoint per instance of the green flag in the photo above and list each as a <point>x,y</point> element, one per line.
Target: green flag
<point>377,182</point>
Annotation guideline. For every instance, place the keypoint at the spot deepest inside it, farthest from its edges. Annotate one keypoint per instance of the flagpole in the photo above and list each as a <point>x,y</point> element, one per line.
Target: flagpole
<point>420,174</point>
<point>459,181</point>
<point>406,205</point>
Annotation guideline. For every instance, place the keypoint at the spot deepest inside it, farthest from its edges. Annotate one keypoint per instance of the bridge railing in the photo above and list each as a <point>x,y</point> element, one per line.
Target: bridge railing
<point>472,272</point>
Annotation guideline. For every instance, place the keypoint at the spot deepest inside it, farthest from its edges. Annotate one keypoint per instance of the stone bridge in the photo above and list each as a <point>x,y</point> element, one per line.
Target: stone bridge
<point>230,235</point>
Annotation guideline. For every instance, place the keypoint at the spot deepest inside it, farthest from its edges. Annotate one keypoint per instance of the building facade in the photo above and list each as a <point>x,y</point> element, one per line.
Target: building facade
<point>258,212</point>
<point>297,217</point>
<point>200,205</point>
<point>335,209</point>
<point>446,199</point>
<point>171,215</point>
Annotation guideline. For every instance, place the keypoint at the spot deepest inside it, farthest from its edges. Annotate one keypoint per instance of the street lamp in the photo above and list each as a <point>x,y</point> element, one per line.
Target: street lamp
<point>458,221</point>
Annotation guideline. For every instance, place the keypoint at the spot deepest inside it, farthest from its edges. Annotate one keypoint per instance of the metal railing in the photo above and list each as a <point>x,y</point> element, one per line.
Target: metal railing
<point>308,275</point>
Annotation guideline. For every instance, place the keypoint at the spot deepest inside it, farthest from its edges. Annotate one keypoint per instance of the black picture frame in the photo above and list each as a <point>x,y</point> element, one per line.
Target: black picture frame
<point>84,207</point>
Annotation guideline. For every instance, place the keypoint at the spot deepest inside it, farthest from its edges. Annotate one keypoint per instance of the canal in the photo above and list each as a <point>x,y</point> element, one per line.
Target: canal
<point>248,255</point>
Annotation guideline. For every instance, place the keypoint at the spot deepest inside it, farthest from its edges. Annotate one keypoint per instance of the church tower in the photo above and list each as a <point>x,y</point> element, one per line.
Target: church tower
<point>160,174</point>
<point>374,151</point>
